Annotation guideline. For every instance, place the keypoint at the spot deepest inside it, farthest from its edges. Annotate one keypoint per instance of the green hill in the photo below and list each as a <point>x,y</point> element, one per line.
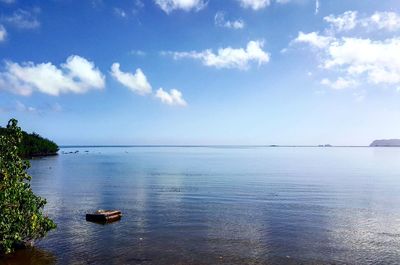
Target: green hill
<point>34,145</point>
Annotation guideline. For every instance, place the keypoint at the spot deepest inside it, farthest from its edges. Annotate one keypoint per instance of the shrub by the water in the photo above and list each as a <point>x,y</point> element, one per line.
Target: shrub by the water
<point>32,144</point>
<point>21,211</point>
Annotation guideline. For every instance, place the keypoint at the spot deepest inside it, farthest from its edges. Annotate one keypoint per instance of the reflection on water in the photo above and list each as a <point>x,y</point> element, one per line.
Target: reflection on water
<point>29,256</point>
<point>223,205</point>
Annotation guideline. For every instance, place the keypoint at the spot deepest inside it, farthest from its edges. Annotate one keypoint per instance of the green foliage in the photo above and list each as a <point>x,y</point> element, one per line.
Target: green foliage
<point>33,144</point>
<point>21,211</point>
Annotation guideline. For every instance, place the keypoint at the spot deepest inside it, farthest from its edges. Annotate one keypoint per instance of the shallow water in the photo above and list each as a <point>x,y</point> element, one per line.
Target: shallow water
<point>207,205</point>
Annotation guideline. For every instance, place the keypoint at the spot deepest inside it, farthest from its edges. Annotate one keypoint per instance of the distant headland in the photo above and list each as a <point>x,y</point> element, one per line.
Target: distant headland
<point>387,143</point>
<point>33,145</point>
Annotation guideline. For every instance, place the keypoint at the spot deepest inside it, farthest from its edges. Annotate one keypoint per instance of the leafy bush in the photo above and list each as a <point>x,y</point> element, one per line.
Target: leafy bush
<point>21,211</point>
<point>33,144</point>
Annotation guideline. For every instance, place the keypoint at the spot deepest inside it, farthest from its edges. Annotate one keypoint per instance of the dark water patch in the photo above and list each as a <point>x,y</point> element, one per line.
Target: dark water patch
<point>29,256</point>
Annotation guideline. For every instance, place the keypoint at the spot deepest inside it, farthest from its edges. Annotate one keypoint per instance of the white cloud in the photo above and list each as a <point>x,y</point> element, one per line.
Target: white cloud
<point>229,57</point>
<point>77,75</point>
<point>378,60</point>
<point>357,60</point>
<point>385,20</point>
<point>349,20</point>
<point>173,98</point>
<point>254,4</point>
<point>313,39</point>
<point>375,62</point>
<point>187,5</point>
<point>3,33</point>
<point>136,82</point>
<point>340,83</point>
<point>220,21</point>
<point>344,22</point>
<point>24,19</point>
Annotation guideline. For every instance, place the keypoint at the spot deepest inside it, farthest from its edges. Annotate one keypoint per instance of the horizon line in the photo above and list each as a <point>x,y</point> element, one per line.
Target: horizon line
<point>210,145</point>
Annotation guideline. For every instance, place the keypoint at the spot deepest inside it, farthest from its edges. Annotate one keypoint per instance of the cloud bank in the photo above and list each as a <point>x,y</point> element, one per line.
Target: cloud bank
<point>350,20</point>
<point>239,58</point>
<point>356,60</point>
<point>254,4</point>
<point>186,5</point>
<point>76,75</point>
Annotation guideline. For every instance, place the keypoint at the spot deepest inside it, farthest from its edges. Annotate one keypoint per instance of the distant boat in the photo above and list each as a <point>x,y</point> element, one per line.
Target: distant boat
<point>104,216</point>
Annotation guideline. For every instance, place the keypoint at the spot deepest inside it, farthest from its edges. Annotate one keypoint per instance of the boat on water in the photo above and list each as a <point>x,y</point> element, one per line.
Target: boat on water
<point>104,216</point>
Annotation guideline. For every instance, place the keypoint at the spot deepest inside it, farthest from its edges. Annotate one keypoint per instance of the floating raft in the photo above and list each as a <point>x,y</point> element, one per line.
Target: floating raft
<point>104,216</point>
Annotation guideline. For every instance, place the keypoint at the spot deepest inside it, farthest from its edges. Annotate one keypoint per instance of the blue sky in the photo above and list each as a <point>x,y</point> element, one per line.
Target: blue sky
<point>202,72</point>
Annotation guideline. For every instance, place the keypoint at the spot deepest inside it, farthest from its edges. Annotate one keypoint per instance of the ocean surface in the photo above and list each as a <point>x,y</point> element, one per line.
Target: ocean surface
<point>220,205</point>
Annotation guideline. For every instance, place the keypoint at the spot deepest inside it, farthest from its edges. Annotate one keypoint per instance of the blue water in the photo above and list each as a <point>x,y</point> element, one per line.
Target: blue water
<point>208,205</point>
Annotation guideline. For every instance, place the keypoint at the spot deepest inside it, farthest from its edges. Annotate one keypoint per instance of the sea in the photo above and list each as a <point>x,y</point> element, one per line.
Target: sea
<point>219,205</point>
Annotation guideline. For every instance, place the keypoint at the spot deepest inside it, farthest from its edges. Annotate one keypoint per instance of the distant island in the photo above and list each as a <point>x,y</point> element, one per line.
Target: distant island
<point>325,145</point>
<point>33,145</point>
<point>387,143</point>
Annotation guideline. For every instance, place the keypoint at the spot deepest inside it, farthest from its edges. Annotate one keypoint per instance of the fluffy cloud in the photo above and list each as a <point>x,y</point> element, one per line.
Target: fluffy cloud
<point>358,59</point>
<point>173,97</point>
<point>136,82</point>
<point>229,57</point>
<point>260,4</point>
<point>385,20</point>
<point>3,33</point>
<point>220,21</point>
<point>254,4</point>
<point>350,20</point>
<point>343,22</point>
<point>77,75</point>
<point>23,19</point>
<point>355,59</point>
<point>170,5</point>
<point>378,61</point>
<point>313,39</point>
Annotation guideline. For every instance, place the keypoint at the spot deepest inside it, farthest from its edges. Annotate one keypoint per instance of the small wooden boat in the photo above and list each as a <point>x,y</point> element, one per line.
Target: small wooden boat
<point>104,216</point>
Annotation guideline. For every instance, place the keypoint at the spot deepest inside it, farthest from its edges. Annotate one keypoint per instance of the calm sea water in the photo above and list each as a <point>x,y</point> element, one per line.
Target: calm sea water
<point>220,206</point>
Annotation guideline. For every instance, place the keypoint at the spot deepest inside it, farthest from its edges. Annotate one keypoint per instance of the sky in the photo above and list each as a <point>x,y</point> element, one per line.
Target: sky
<point>198,72</point>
